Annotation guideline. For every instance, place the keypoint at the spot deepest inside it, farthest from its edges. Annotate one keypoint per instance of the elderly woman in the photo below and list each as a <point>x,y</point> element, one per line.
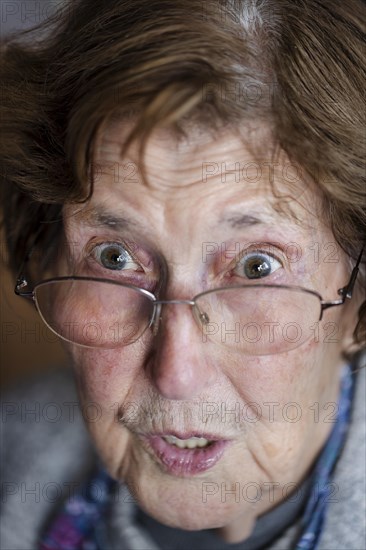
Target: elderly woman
<point>183,199</point>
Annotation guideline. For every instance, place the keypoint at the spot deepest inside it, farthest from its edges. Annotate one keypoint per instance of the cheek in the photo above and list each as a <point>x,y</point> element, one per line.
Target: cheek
<point>106,380</point>
<point>107,376</point>
<point>307,374</point>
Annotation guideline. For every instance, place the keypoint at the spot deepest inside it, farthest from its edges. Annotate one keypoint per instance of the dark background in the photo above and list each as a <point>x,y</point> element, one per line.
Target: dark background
<point>25,345</point>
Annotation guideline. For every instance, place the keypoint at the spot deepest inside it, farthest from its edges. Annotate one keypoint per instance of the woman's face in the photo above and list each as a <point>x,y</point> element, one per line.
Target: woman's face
<point>208,218</point>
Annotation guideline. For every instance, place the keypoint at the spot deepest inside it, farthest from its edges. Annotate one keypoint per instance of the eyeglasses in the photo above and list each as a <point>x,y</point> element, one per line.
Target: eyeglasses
<point>255,319</point>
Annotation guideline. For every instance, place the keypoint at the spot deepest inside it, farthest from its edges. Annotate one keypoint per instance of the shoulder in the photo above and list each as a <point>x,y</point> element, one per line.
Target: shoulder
<point>45,454</point>
<point>345,524</point>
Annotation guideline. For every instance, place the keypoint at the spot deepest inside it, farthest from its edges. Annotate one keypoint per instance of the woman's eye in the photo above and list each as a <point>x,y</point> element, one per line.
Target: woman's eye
<point>256,265</point>
<point>114,256</point>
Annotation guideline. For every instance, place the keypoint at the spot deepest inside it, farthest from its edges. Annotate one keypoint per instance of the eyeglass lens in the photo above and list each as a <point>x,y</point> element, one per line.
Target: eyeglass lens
<point>253,320</point>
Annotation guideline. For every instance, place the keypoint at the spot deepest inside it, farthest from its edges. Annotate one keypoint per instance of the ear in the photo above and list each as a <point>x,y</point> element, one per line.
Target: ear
<point>354,339</point>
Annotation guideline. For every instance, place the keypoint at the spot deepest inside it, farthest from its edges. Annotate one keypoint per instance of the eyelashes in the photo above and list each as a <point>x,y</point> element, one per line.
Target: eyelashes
<point>113,258</point>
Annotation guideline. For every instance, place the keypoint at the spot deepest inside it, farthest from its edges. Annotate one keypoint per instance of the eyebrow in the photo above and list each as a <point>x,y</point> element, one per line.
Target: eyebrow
<point>98,216</point>
<point>236,219</point>
<point>239,220</point>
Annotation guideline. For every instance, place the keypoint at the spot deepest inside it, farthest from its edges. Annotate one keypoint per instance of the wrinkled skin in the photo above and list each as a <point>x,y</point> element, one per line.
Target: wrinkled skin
<point>161,383</point>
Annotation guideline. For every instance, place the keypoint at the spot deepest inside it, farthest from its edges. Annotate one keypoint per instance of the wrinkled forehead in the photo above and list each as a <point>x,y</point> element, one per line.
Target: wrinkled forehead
<point>240,163</point>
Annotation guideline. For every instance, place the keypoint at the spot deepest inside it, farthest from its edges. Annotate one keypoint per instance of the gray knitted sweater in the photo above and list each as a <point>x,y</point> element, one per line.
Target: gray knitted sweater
<point>46,455</point>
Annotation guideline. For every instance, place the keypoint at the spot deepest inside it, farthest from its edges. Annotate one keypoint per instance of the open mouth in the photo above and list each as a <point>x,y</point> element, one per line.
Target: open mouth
<point>191,443</point>
<point>184,457</point>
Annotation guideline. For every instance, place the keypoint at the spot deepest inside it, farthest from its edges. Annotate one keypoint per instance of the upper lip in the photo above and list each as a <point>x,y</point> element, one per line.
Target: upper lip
<point>185,435</point>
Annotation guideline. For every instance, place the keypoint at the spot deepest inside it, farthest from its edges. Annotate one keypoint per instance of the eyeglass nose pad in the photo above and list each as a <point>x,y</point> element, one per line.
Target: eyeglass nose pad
<point>155,322</point>
<point>201,316</point>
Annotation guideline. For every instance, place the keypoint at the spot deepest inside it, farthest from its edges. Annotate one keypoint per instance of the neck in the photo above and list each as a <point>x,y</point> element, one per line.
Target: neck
<point>238,530</point>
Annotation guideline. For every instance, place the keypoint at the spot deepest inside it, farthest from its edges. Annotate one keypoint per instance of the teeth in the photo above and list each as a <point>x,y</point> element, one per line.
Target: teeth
<point>190,443</point>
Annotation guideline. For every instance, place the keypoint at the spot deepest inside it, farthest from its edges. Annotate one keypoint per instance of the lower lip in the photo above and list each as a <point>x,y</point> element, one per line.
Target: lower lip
<point>185,462</point>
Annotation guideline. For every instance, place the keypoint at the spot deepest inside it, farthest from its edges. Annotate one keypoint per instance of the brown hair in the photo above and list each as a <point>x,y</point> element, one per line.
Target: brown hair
<point>297,64</point>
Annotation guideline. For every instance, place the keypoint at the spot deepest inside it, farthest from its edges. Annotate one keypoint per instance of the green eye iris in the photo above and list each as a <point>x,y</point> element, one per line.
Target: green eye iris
<point>256,265</point>
<point>114,257</point>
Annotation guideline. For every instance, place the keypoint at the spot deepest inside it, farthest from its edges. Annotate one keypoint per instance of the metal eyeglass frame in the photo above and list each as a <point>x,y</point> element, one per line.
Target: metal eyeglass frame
<point>345,293</point>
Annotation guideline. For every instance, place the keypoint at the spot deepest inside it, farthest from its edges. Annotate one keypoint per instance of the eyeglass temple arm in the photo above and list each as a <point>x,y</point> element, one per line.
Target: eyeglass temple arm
<point>346,291</point>
<point>21,281</point>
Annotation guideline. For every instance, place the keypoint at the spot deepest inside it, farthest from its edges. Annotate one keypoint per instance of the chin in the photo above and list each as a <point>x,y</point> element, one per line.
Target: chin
<point>187,518</point>
<point>179,511</point>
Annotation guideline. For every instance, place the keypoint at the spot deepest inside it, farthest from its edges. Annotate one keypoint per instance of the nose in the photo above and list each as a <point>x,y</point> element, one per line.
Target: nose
<point>181,365</point>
